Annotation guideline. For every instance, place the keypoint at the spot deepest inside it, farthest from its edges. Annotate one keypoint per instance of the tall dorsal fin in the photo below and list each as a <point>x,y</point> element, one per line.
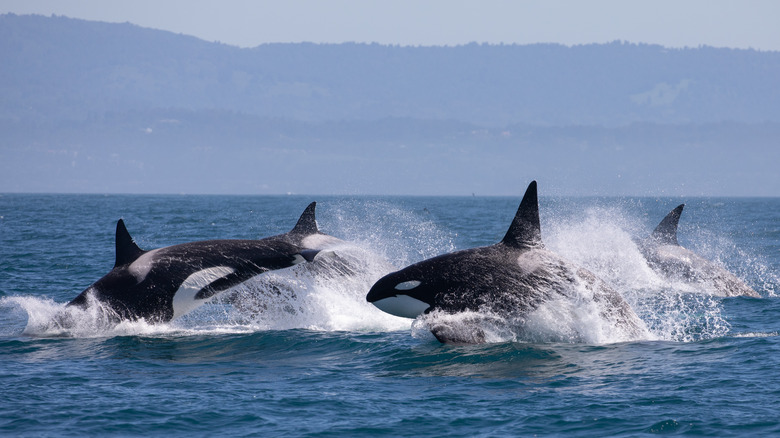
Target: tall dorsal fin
<point>307,224</point>
<point>666,231</point>
<point>126,249</point>
<point>525,230</point>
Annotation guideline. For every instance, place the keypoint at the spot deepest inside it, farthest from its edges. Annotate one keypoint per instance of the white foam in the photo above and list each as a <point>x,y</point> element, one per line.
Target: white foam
<point>575,317</point>
<point>602,242</point>
<point>463,328</point>
<point>326,294</point>
<point>756,335</point>
<point>46,318</point>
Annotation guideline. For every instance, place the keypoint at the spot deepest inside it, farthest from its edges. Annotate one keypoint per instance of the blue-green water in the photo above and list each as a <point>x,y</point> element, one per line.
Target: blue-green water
<point>324,362</point>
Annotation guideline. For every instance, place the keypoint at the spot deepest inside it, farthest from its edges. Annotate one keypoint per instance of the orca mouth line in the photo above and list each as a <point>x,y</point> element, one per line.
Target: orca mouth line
<point>372,299</point>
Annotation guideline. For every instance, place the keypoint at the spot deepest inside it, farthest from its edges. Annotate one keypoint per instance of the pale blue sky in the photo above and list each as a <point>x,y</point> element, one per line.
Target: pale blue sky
<point>246,23</point>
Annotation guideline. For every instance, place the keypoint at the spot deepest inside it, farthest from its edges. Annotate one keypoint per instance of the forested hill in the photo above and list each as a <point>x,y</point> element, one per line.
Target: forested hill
<point>61,68</point>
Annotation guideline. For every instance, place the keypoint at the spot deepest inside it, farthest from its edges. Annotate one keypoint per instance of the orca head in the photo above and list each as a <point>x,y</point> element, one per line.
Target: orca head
<point>407,293</point>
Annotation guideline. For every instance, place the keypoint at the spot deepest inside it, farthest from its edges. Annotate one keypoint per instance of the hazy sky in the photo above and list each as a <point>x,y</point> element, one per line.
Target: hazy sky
<point>247,23</point>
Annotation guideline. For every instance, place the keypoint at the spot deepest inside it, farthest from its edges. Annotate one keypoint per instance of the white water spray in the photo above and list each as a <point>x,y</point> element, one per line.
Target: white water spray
<point>672,308</point>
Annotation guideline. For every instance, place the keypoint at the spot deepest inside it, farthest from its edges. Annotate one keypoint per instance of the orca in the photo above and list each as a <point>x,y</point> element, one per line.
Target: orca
<point>162,284</point>
<point>513,277</point>
<point>667,257</point>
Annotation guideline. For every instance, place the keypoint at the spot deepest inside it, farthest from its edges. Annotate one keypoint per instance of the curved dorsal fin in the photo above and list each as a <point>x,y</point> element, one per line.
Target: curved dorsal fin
<point>525,230</point>
<point>666,231</point>
<point>126,249</point>
<point>307,224</point>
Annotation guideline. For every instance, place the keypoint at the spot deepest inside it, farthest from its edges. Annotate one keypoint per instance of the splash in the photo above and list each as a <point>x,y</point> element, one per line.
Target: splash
<point>330,293</point>
<point>576,316</point>
<point>46,318</point>
<point>742,263</point>
<point>681,316</point>
<point>464,327</point>
<point>327,294</point>
<point>672,308</point>
<point>399,235</point>
<point>603,241</point>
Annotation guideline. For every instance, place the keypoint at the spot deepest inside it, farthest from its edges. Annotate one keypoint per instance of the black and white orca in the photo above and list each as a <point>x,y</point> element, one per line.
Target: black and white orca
<point>165,283</point>
<point>513,277</point>
<point>665,256</point>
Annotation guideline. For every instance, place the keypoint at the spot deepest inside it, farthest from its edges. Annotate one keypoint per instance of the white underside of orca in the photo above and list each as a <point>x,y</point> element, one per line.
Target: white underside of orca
<point>402,305</point>
<point>184,300</point>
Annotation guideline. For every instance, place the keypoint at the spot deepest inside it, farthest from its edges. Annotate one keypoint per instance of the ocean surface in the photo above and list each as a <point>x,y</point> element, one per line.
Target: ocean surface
<point>299,352</point>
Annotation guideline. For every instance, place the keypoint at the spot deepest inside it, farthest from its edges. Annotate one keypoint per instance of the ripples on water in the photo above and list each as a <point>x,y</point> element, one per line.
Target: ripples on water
<point>325,362</point>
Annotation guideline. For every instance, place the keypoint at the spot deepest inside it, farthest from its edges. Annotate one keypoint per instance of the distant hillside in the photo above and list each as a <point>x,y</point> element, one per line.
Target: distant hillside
<point>61,68</point>
<point>116,108</point>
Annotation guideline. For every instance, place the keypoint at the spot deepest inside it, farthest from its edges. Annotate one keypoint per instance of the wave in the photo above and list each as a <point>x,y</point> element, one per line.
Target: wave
<point>603,241</point>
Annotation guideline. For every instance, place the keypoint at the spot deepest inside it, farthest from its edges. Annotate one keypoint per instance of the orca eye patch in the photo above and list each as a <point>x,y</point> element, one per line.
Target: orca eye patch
<point>406,285</point>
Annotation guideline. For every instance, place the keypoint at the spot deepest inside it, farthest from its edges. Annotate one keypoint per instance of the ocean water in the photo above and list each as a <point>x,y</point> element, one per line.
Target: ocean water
<point>311,357</point>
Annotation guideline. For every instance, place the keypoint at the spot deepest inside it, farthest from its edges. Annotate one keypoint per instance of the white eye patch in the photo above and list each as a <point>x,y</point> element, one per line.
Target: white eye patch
<point>406,285</point>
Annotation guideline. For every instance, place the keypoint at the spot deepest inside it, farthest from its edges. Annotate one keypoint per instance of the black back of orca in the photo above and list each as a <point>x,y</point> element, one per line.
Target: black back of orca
<point>146,284</point>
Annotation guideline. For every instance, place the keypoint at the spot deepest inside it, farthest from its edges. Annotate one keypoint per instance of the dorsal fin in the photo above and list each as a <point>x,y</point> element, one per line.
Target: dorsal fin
<point>525,230</point>
<point>307,224</point>
<point>126,249</point>
<point>666,231</point>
